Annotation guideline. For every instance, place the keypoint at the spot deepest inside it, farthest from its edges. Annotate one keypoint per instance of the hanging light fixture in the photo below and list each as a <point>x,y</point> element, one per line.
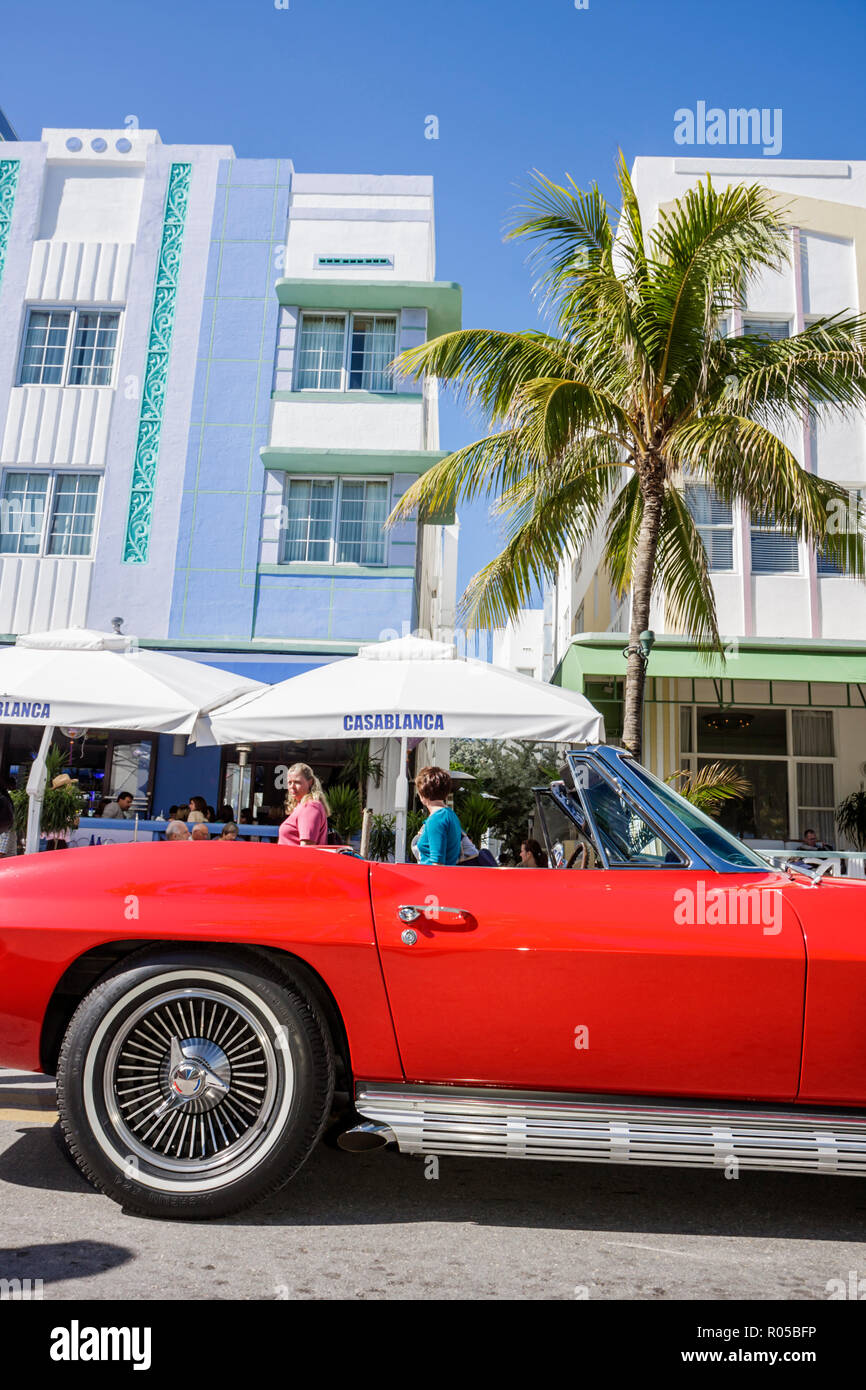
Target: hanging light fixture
<point>726,721</point>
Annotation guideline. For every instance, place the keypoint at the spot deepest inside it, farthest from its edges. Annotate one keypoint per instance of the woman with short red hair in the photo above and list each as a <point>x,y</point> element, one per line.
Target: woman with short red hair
<point>439,841</point>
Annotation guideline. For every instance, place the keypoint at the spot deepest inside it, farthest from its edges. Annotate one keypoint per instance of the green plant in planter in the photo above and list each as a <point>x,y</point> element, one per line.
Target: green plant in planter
<point>476,813</point>
<point>360,766</point>
<point>61,806</point>
<point>415,819</point>
<point>383,836</point>
<point>851,817</point>
<point>345,813</point>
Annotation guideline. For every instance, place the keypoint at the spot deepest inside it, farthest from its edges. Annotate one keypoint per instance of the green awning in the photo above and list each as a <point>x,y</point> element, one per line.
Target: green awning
<point>594,655</point>
<point>443,299</point>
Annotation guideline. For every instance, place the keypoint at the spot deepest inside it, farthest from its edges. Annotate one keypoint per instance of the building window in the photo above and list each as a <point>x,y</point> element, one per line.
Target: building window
<point>767,328</point>
<point>773,551</point>
<point>715,522</point>
<point>69,347</point>
<point>48,514</point>
<point>335,521</point>
<point>827,565</point>
<point>374,345</point>
<point>93,349</point>
<point>788,757</point>
<point>339,352</point>
<point>320,352</point>
<point>73,514</point>
<point>363,510</point>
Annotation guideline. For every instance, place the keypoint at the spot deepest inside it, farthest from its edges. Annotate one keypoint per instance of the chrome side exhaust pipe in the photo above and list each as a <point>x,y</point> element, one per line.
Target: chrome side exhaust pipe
<point>366,1137</point>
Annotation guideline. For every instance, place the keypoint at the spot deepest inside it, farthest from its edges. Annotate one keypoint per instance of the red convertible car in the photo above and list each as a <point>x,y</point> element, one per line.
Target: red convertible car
<point>660,995</point>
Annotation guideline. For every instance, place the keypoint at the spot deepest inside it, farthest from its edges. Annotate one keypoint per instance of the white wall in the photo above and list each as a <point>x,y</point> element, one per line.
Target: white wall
<point>347,424</point>
<point>361,215</point>
<point>519,646</point>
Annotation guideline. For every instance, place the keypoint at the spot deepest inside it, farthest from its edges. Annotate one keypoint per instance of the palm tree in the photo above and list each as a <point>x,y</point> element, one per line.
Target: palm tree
<point>596,427</point>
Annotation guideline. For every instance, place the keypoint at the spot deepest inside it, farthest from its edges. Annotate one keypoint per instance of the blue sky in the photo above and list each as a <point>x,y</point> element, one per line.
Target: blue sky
<point>345,87</point>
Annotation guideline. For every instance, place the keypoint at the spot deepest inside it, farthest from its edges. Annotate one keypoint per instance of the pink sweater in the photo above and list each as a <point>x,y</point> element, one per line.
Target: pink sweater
<point>307,822</point>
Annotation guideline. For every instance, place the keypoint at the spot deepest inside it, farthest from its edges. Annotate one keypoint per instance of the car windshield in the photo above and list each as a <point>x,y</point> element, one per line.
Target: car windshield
<point>708,831</point>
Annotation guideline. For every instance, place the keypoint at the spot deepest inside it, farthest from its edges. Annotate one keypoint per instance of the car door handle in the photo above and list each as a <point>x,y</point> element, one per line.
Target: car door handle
<point>410,912</point>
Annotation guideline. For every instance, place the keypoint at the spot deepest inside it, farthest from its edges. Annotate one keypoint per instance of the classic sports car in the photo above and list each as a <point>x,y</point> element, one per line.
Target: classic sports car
<point>661,996</point>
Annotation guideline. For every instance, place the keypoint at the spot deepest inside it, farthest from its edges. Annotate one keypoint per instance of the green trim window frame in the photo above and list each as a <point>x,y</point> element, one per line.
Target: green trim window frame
<point>48,514</point>
<point>68,346</point>
<point>793,783</point>
<point>335,521</point>
<point>346,352</point>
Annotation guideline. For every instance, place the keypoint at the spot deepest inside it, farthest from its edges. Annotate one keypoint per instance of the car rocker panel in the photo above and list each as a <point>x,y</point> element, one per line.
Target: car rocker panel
<point>563,1128</point>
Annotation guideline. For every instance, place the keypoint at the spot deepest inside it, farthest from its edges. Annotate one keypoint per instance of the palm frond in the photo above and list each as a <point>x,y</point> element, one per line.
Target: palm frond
<point>683,575</point>
<point>485,468</point>
<point>710,786</point>
<point>543,522</point>
<point>708,248</point>
<point>622,536</point>
<point>486,366</point>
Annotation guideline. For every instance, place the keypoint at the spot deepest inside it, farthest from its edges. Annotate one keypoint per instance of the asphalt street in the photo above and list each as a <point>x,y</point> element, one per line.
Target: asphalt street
<point>378,1227</point>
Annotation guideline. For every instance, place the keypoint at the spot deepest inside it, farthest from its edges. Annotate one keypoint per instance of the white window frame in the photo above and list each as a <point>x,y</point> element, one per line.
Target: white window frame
<point>348,316</point>
<point>717,526</point>
<point>333,539</point>
<point>43,553</point>
<point>73,310</point>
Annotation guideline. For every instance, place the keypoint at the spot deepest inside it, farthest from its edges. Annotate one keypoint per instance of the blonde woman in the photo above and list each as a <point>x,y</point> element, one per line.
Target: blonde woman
<point>307,819</point>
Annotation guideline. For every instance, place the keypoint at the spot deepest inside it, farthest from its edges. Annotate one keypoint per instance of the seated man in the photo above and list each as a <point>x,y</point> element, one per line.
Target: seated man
<point>810,841</point>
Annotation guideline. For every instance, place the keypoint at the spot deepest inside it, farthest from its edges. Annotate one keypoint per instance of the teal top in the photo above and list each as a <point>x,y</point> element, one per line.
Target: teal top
<point>439,841</point>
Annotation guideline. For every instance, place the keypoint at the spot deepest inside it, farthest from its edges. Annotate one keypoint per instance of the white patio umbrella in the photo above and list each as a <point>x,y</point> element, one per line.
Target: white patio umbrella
<point>102,680</point>
<point>405,688</point>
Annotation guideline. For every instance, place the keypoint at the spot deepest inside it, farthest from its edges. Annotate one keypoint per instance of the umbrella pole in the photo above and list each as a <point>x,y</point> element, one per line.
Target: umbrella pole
<point>401,802</point>
<point>36,791</point>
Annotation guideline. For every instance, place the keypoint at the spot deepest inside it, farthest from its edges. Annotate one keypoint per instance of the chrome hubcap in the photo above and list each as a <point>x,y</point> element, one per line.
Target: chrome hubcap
<point>203,1077</point>
<point>191,1080</point>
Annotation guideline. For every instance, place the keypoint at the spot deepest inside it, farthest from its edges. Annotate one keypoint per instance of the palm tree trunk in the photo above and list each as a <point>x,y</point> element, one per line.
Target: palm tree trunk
<point>652,490</point>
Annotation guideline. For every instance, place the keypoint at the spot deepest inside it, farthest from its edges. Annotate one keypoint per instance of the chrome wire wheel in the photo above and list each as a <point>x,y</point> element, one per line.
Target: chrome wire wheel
<point>189,1080</point>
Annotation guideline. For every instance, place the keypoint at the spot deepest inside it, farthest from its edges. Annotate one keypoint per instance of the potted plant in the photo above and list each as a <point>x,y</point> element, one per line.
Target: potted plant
<point>360,767</point>
<point>851,818</point>
<point>476,813</point>
<point>345,810</point>
<point>382,836</point>
<point>61,806</point>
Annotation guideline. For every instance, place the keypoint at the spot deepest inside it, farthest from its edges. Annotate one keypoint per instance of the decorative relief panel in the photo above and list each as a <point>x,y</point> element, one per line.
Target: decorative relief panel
<point>156,369</point>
